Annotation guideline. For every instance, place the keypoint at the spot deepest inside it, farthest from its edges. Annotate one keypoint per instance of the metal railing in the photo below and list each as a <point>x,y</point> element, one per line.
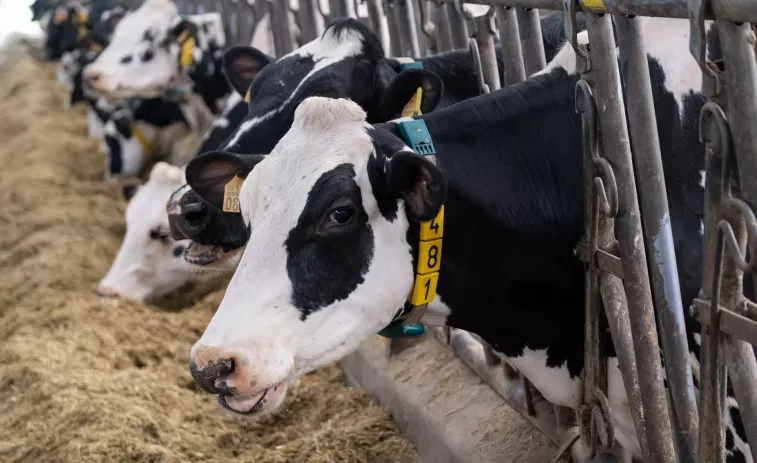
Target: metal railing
<point>632,284</point>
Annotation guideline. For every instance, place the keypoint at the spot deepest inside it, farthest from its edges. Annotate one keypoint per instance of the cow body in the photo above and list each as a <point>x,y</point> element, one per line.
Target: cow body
<point>331,256</point>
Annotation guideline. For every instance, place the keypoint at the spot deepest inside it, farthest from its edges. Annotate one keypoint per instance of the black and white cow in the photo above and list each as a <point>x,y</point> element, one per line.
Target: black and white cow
<point>65,28</point>
<point>150,263</point>
<point>346,61</point>
<point>155,52</point>
<point>333,216</point>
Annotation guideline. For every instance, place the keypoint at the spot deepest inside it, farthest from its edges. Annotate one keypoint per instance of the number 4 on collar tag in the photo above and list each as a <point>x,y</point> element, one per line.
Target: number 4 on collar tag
<point>231,194</point>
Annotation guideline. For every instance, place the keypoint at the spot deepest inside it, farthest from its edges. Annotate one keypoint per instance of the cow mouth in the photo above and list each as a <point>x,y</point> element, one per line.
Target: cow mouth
<point>202,254</point>
<point>255,404</point>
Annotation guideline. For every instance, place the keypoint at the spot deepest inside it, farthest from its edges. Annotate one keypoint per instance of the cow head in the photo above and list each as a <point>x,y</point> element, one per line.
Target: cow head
<point>127,148</point>
<point>154,50</point>
<point>346,61</point>
<point>328,262</point>
<point>149,263</point>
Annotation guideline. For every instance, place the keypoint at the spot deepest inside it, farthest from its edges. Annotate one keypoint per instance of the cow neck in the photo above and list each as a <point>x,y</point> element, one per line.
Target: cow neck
<point>514,211</point>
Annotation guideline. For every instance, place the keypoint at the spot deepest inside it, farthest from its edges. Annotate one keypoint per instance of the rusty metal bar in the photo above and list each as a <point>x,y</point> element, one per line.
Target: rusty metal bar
<point>659,234</point>
<point>511,53</point>
<point>631,240</point>
<point>529,27</point>
<point>742,371</point>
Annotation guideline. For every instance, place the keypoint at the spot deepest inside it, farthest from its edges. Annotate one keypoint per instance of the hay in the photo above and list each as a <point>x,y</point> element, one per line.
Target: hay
<point>90,379</point>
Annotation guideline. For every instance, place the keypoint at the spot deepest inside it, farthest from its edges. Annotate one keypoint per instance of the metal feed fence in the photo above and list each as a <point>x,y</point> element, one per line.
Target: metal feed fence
<point>632,281</point>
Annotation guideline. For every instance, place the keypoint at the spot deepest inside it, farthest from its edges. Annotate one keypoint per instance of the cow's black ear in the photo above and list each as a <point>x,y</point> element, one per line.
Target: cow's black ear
<point>241,64</point>
<point>128,190</point>
<point>184,30</point>
<point>419,182</point>
<point>209,173</point>
<point>403,87</point>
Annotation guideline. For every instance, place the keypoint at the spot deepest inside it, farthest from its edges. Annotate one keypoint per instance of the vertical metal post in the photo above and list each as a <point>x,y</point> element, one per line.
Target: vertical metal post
<point>509,38</point>
<point>375,15</point>
<point>443,34</point>
<point>630,238</point>
<point>530,35</point>
<point>659,234</point>
<point>395,40</point>
<point>457,29</point>
<point>406,25</point>
<point>483,33</point>
<point>427,26</point>
<point>308,15</point>
<point>339,8</point>
<point>279,14</point>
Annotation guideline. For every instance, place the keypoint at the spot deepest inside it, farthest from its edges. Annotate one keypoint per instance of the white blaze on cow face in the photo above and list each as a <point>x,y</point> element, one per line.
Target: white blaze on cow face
<point>323,269</point>
<point>149,263</point>
<point>142,59</point>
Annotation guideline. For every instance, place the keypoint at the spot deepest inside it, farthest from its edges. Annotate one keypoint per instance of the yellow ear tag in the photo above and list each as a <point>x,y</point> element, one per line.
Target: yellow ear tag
<point>231,194</point>
<point>83,16</point>
<point>413,107</point>
<point>247,96</point>
<point>96,47</point>
<point>187,49</point>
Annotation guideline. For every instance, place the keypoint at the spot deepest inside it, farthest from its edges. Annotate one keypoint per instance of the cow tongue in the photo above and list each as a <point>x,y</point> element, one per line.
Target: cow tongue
<point>201,253</point>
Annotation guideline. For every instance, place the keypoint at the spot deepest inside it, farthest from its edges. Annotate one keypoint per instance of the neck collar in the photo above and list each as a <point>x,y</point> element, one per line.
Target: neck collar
<point>407,321</point>
<point>142,139</point>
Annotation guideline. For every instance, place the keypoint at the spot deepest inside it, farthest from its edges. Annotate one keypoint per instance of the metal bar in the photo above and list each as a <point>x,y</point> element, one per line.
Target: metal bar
<point>742,371</point>
<point>737,44</point>
<point>442,31</point>
<point>483,32</point>
<point>659,235</point>
<point>406,26</point>
<point>308,14</point>
<point>376,15</point>
<point>713,130</point>
<point>395,40</point>
<point>529,26</point>
<point>339,8</point>
<point>630,238</point>
<point>733,10</point>
<point>457,29</point>
<point>511,53</point>
<point>279,15</point>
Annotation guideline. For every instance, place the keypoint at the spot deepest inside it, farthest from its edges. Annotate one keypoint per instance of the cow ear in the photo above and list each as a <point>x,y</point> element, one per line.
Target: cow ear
<point>403,87</point>
<point>419,182</point>
<point>209,173</point>
<point>184,31</point>
<point>241,64</point>
<point>128,190</point>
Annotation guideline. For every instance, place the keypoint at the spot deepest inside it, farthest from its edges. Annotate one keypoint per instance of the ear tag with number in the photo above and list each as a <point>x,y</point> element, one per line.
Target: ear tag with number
<point>247,96</point>
<point>413,107</point>
<point>187,50</point>
<point>231,194</point>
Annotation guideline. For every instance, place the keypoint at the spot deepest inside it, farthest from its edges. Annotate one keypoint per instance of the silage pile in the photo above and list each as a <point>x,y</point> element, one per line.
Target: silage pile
<point>87,379</point>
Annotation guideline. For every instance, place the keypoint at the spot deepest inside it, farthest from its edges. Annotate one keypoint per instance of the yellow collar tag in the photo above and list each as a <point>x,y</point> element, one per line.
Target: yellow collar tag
<point>429,263</point>
<point>146,144</point>
<point>83,15</point>
<point>231,195</point>
<point>247,96</point>
<point>413,107</point>
<point>187,50</point>
<point>95,47</point>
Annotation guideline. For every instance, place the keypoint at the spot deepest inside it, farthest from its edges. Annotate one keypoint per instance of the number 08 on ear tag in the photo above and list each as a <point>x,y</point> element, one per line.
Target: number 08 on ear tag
<point>231,194</point>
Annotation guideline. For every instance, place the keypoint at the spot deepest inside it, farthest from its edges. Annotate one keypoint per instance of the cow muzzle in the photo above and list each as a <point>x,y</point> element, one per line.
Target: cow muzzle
<point>95,81</point>
<point>228,373</point>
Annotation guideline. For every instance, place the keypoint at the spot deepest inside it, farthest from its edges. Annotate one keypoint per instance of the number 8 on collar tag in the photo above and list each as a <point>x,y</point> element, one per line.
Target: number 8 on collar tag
<point>231,195</point>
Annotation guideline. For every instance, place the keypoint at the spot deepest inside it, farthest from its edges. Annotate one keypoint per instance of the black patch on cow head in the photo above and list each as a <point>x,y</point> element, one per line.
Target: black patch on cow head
<point>209,173</point>
<point>331,248</point>
<point>402,88</point>
<point>241,64</point>
<point>128,190</point>
<point>115,156</point>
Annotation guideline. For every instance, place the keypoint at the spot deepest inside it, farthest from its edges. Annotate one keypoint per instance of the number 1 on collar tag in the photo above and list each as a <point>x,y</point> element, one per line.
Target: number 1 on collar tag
<point>231,195</point>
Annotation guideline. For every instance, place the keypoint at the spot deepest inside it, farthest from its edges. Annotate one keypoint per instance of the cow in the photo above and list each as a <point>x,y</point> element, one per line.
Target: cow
<point>159,267</point>
<point>146,213</point>
<point>154,52</point>
<point>334,215</point>
<point>65,29</point>
<point>347,60</point>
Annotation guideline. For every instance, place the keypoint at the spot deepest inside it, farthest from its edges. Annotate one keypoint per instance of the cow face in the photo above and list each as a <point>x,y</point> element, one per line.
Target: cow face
<point>328,262</point>
<point>126,152</point>
<point>152,50</point>
<point>347,61</point>
<point>149,263</point>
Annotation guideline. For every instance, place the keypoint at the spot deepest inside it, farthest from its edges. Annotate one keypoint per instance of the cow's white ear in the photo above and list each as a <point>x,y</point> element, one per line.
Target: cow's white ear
<point>404,87</point>
<point>209,173</point>
<point>241,64</point>
<point>419,182</point>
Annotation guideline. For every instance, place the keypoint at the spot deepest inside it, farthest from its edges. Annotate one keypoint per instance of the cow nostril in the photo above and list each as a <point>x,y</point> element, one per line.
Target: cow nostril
<point>106,291</point>
<point>208,377</point>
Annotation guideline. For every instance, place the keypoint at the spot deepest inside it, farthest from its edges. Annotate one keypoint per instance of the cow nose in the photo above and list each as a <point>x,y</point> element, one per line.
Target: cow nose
<point>190,219</point>
<point>106,291</point>
<point>211,376</point>
<point>92,77</point>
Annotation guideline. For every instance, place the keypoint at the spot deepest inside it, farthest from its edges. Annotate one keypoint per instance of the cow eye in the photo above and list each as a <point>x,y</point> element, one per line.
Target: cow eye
<point>147,55</point>
<point>341,215</point>
<point>161,234</point>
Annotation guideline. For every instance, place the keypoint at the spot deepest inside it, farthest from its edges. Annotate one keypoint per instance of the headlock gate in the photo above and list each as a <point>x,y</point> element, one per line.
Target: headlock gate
<point>630,261</point>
